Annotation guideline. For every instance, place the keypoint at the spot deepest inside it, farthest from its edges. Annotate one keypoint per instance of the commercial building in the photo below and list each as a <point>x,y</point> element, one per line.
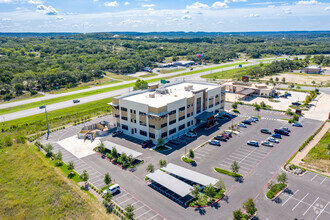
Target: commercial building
<point>168,111</point>
<point>313,69</point>
<point>246,89</point>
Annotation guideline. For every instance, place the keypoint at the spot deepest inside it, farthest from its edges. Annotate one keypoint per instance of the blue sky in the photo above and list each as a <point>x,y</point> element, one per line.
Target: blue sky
<point>163,15</point>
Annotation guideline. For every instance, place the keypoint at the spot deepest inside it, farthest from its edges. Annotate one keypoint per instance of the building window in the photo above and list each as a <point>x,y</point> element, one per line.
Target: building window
<point>163,116</point>
<point>173,121</point>
<point>143,123</point>
<point>164,134</point>
<point>151,126</point>
<point>133,120</point>
<point>133,111</point>
<point>116,116</point>
<point>172,131</point>
<point>188,123</point>
<point>152,135</point>
<point>143,133</point>
<point>123,109</point>
<point>181,127</point>
<point>172,112</point>
<point>199,105</point>
<point>188,115</point>
<point>163,125</point>
<point>210,99</point>
<point>217,103</point>
<point>188,106</point>
<point>217,96</point>
<point>182,109</point>
<point>210,106</point>
<point>181,118</point>
<point>124,118</point>
<point>125,127</point>
<point>142,114</point>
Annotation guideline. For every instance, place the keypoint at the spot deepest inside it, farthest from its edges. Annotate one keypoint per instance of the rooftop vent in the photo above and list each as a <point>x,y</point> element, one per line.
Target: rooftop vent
<point>189,87</point>
<point>152,95</point>
<point>162,91</point>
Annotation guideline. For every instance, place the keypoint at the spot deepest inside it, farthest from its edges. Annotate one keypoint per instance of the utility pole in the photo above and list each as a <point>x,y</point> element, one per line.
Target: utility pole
<point>47,122</point>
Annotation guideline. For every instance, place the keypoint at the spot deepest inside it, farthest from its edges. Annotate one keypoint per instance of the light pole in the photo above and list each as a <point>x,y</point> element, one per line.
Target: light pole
<point>47,122</point>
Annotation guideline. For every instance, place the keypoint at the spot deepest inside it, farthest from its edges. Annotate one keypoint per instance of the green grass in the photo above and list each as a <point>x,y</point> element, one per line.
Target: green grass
<point>148,75</point>
<point>108,83</point>
<point>275,189</point>
<point>31,188</point>
<point>265,60</point>
<point>65,90</point>
<point>165,71</point>
<point>22,97</point>
<point>228,74</point>
<point>121,77</point>
<point>188,160</point>
<point>161,148</point>
<point>226,172</point>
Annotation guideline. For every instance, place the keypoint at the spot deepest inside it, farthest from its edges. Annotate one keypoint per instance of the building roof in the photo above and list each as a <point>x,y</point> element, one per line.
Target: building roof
<point>246,91</point>
<point>121,149</point>
<point>317,67</point>
<point>204,116</point>
<point>169,93</point>
<point>179,187</point>
<point>190,174</point>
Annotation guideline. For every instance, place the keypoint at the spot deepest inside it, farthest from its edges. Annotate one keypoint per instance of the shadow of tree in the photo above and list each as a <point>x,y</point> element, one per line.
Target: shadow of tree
<point>201,210</point>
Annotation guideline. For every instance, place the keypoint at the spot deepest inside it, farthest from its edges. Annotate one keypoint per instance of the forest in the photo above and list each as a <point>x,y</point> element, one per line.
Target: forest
<point>43,63</point>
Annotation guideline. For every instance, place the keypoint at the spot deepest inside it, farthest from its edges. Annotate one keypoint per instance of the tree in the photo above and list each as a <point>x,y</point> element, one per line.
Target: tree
<point>282,178</point>
<point>283,80</point>
<point>129,211</point>
<point>107,179</point>
<point>19,87</point>
<point>195,190</point>
<point>256,106</point>
<point>150,168</point>
<point>7,141</point>
<point>108,196</point>
<point>263,105</point>
<point>220,184</point>
<point>291,85</point>
<point>140,84</point>
<point>308,99</point>
<point>313,82</point>
<point>235,167</point>
<point>238,214</point>
<point>210,190</point>
<point>102,148</point>
<point>249,206</point>
<point>160,142</point>
<point>277,79</point>
<point>162,163</point>
<point>270,184</point>
<point>289,111</point>
<point>191,154</point>
<point>70,165</point>
<point>114,153</point>
<point>85,177</point>
<point>58,157</point>
<point>328,146</point>
<point>234,105</point>
<point>48,149</point>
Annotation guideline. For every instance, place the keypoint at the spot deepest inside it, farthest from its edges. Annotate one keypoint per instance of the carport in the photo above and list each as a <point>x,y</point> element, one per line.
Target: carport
<point>175,185</point>
<point>190,174</point>
<point>121,149</point>
<point>206,117</point>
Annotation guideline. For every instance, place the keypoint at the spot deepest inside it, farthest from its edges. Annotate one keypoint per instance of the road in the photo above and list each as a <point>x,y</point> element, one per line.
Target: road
<point>325,90</point>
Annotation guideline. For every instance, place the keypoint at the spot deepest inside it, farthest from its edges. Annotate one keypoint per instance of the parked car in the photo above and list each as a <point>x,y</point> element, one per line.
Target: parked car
<point>42,106</point>
<point>76,101</point>
<point>215,142</point>
<point>288,94</point>
<point>285,129</point>
<point>225,135</point>
<point>175,142</point>
<point>116,133</point>
<point>253,143</point>
<point>282,132</point>
<point>252,120</point>
<point>265,131</point>
<point>146,143</point>
<point>246,122</point>
<point>190,134</point>
<point>220,138</point>
<point>274,140</point>
<point>296,103</point>
<point>112,189</point>
<point>276,136</point>
<point>255,118</point>
<point>228,133</point>
<point>242,125</point>
<point>297,124</point>
<point>267,143</point>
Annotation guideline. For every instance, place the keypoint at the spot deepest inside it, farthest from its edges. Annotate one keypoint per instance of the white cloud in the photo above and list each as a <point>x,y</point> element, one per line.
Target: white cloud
<point>95,0</point>
<point>5,1</point>
<point>287,11</point>
<point>228,1</point>
<point>271,6</point>
<point>6,19</point>
<point>254,15</point>
<point>310,2</point>
<point>197,5</point>
<point>47,10</point>
<point>75,26</point>
<point>186,17</point>
<point>327,9</point>
<point>59,18</point>
<point>148,5</point>
<point>35,2</point>
<point>111,4</point>
<point>219,5</point>
<point>185,12</point>
<point>126,3</point>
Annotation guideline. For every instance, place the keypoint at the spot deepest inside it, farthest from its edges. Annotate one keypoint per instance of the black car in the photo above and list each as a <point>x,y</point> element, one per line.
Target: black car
<point>296,103</point>
<point>220,138</point>
<point>42,106</point>
<point>282,132</point>
<point>265,131</point>
<point>146,143</point>
<point>246,122</point>
<point>76,101</point>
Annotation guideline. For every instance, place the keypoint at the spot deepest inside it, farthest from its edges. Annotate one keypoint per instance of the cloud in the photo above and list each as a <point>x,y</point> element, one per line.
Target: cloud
<point>59,18</point>
<point>47,10</point>
<point>95,0</point>
<point>197,5</point>
<point>6,19</point>
<point>254,15</point>
<point>271,6</point>
<point>311,2</point>
<point>327,9</point>
<point>148,5</point>
<point>228,1</point>
<point>219,5</point>
<point>111,4</point>
<point>35,2</point>
<point>287,11</point>
<point>5,1</point>
<point>126,3</point>
<point>186,17</point>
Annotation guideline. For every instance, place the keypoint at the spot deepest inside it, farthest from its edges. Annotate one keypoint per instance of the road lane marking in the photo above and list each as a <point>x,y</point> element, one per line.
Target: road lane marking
<point>311,205</point>
<point>290,197</point>
<point>300,201</point>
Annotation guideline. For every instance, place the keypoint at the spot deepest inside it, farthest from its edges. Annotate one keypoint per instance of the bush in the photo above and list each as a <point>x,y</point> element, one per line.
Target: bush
<point>188,160</point>
<point>276,188</point>
<point>235,110</point>
<point>227,172</point>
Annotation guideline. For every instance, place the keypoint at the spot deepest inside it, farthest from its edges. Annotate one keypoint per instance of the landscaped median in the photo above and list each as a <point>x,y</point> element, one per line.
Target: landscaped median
<point>275,190</point>
<point>226,172</point>
<point>188,160</point>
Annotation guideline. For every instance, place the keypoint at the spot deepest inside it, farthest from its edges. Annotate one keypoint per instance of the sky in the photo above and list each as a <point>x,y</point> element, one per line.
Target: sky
<point>163,15</point>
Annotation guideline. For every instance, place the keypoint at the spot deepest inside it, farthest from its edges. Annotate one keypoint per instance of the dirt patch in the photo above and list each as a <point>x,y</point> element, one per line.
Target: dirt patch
<point>302,78</point>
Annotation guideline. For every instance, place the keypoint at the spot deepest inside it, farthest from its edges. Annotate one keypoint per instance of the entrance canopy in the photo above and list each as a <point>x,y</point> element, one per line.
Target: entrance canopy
<point>121,149</point>
<point>246,91</point>
<point>175,185</point>
<point>190,174</point>
<point>204,116</point>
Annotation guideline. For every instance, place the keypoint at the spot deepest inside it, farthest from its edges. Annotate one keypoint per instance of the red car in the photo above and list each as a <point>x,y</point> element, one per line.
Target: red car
<point>225,135</point>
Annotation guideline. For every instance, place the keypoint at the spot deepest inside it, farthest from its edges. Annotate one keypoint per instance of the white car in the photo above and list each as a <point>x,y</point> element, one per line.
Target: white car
<point>242,125</point>
<point>190,134</point>
<point>274,140</point>
<point>112,189</point>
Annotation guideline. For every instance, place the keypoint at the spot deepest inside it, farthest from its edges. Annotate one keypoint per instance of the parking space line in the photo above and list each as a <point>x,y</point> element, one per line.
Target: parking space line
<point>311,205</point>
<point>153,217</point>
<point>120,196</point>
<point>135,202</point>
<point>143,214</point>
<point>139,208</point>
<point>125,200</point>
<point>247,156</point>
<point>322,210</point>
<point>290,197</point>
<point>314,177</point>
<point>323,180</point>
<point>300,201</point>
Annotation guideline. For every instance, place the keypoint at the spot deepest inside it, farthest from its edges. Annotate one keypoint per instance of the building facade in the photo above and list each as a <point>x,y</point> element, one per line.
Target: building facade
<point>250,89</point>
<point>168,111</point>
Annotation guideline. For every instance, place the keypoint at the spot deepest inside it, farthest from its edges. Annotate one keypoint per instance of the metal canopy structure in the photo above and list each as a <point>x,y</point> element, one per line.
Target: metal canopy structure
<point>190,175</point>
<point>246,91</point>
<point>179,187</point>
<point>204,116</point>
<point>121,149</point>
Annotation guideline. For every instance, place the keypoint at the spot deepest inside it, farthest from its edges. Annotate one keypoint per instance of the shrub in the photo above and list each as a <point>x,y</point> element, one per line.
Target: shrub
<point>235,110</point>
<point>227,172</point>
<point>276,188</point>
<point>187,160</point>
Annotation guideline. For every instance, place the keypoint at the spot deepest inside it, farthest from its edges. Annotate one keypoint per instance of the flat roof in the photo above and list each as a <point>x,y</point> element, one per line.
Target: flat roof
<point>190,174</point>
<point>204,116</point>
<point>179,187</point>
<point>246,91</point>
<point>175,93</point>
<point>121,149</point>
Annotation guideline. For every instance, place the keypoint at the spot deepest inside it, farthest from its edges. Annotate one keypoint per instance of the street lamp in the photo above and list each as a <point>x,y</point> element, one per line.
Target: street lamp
<point>47,122</point>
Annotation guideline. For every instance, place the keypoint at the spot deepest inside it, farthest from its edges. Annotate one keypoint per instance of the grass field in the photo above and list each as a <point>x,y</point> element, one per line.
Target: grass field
<point>21,98</point>
<point>228,74</point>
<point>64,90</point>
<point>318,156</point>
<point>31,188</point>
<point>165,71</point>
<point>120,76</point>
<point>265,60</point>
<point>148,75</point>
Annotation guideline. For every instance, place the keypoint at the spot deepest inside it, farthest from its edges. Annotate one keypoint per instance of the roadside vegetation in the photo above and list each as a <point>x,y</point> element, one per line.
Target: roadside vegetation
<point>226,172</point>
<point>275,188</point>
